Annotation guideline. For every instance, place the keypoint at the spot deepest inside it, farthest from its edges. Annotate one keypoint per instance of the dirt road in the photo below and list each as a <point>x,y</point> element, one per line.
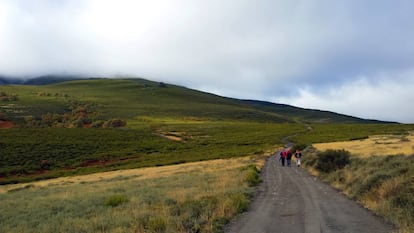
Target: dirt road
<point>289,200</point>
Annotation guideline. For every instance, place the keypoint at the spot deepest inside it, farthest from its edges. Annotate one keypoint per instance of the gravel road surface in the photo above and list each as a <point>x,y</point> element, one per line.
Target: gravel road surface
<point>289,200</point>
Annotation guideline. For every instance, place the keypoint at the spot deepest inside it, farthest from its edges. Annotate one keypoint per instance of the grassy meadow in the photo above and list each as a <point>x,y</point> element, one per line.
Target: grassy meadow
<point>379,174</point>
<point>191,197</point>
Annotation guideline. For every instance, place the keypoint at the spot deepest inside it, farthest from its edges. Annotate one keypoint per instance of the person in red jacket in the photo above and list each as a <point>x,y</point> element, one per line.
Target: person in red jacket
<point>283,156</point>
<point>289,157</point>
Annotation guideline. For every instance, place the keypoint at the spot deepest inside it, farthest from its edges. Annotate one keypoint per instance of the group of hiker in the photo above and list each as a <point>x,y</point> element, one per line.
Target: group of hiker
<point>286,155</point>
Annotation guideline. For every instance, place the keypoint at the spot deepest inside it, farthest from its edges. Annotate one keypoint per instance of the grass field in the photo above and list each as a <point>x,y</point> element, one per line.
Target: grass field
<point>192,197</point>
<point>319,133</point>
<point>32,154</point>
<point>374,145</point>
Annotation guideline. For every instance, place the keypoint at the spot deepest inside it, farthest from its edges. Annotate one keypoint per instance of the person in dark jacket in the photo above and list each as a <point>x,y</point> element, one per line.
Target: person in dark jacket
<point>289,157</point>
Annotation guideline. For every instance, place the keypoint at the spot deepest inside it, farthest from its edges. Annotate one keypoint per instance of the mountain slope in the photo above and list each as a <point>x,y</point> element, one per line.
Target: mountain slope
<point>307,115</point>
<point>131,98</point>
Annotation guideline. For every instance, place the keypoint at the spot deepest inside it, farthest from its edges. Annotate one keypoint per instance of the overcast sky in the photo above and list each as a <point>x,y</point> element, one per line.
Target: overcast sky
<point>348,56</point>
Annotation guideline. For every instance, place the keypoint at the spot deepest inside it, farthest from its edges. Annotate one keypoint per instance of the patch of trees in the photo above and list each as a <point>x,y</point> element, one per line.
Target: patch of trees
<point>47,94</point>
<point>79,115</point>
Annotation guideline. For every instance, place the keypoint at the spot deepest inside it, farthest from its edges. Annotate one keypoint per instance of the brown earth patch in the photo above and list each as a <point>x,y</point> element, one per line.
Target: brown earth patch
<point>105,162</point>
<point>92,163</point>
<point>6,124</point>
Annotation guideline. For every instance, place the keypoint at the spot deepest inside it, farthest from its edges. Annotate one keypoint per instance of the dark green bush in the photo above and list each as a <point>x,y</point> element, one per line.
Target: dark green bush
<point>115,200</point>
<point>331,160</point>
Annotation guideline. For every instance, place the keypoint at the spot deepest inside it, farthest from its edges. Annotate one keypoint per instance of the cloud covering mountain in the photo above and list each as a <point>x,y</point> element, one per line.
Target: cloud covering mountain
<point>352,57</point>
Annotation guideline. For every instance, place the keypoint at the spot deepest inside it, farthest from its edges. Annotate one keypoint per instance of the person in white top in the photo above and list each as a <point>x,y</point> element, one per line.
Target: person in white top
<point>298,157</point>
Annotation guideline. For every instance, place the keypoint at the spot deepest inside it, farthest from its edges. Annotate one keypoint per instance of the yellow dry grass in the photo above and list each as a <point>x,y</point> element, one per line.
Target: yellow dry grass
<point>219,165</point>
<point>189,197</point>
<point>374,145</point>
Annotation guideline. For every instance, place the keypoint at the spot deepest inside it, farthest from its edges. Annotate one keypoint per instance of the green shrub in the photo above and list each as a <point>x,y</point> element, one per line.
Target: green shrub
<point>156,224</point>
<point>218,224</point>
<point>115,200</point>
<point>152,223</point>
<point>239,202</point>
<point>252,177</point>
<point>331,160</point>
<point>371,182</point>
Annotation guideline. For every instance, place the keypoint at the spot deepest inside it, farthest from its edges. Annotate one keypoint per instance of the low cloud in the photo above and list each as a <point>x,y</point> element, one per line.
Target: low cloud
<point>290,51</point>
<point>386,95</point>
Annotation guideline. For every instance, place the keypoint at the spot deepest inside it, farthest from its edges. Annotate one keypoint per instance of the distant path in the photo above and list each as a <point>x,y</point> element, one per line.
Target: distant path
<point>289,200</point>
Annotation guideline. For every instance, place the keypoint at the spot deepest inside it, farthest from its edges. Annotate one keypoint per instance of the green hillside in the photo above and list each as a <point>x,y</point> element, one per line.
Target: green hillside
<point>129,98</point>
<point>86,126</point>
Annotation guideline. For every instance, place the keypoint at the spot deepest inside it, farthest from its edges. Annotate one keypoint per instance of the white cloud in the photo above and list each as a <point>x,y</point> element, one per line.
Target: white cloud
<point>389,97</point>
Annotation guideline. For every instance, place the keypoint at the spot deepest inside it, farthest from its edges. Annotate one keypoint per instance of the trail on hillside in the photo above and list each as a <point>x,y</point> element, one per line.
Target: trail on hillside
<point>289,200</point>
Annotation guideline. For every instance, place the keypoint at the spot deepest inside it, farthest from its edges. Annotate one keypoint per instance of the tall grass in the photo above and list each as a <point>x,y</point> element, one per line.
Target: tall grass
<point>193,197</point>
<point>383,184</point>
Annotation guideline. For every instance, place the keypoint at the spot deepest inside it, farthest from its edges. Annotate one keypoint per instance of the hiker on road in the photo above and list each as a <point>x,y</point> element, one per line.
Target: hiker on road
<point>289,157</point>
<point>298,157</point>
<point>283,156</point>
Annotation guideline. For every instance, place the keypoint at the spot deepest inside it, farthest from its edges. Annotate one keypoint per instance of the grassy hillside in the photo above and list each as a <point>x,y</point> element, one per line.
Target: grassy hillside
<point>85,126</point>
<point>128,98</point>
<point>307,115</point>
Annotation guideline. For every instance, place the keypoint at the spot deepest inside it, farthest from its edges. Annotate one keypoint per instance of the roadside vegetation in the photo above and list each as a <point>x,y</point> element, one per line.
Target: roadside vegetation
<point>381,182</point>
<point>192,197</point>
